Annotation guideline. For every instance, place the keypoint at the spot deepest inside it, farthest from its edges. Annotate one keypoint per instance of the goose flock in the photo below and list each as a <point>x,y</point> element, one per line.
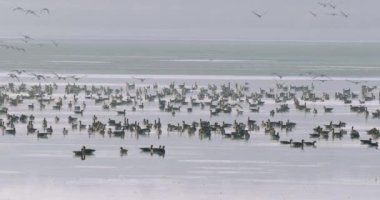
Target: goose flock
<point>69,102</point>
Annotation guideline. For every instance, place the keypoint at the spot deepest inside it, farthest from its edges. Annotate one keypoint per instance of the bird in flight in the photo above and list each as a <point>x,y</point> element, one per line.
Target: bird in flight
<point>76,78</point>
<point>322,4</point>
<point>313,13</point>
<point>45,10</point>
<point>5,46</point>
<point>331,5</point>
<point>14,76</point>
<point>18,71</point>
<point>356,82</point>
<point>20,49</point>
<point>333,14</point>
<point>259,15</point>
<point>19,9</point>
<point>31,12</point>
<point>60,77</point>
<point>24,40</point>
<point>38,44</point>
<point>322,80</point>
<point>141,79</point>
<point>54,43</point>
<point>278,75</point>
<point>344,14</point>
<point>26,37</point>
<point>38,76</point>
<point>321,76</point>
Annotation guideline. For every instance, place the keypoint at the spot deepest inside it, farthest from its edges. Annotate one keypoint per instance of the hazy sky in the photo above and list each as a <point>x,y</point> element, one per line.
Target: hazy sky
<point>192,19</point>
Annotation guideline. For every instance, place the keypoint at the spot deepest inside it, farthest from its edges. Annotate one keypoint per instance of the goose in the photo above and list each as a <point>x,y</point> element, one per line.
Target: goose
<point>260,15</point>
<point>346,15</point>
<point>141,106</point>
<point>327,110</point>
<point>160,150</point>
<point>76,78</point>
<point>286,142</point>
<point>298,144</point>
<point>32,12</point>
<point>42,135</point>
<point>123,151</point>
<point>121,112</point>
<point>323,4</point>
<point>11,131</point>
<point>84,151</point>
<point>56,45</point>
<point>366,141</point>
<point>19,9</point>
<point>313,13</point>
<point>310,143</point>
<point>14,76</point>
<point>314,135</point>
<point>65,131</point>
<point>78,112</point>
<point>354,133</point>
<point>373,144</point>
<point>278,75</point>
<point>140,79</point>
<point>147,149</point>
<point>276,136</point>
<point>45,10</point>
<point>82,126</point>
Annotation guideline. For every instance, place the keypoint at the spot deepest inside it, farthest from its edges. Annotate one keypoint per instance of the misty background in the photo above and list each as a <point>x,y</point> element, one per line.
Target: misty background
<point>192,20</point>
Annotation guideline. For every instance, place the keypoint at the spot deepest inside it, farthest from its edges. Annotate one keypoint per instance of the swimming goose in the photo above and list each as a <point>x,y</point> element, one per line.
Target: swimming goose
<point>373,144</point>
<point>121,112</point>
<point>310,143</point>
<point>160,150</point>
<point>147,149</point>
<point>298,144</point>
<point>327,110</point>
<point>366,141</point>
<point>123,151</point>
<point>84,151</point>
<point>286,142</point>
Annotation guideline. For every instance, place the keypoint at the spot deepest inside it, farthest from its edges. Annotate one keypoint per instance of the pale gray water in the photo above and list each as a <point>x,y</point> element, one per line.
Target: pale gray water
<point>197,58</point>
<point>219,168</point>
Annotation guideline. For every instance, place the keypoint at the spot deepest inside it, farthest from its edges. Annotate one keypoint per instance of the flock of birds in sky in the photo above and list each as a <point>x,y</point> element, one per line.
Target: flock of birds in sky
<point>26,39</point>
<point>330,9</point>
<point>42,77</point>
<point>32,12</point>
<point>15,75</point>
<point>320,77</point>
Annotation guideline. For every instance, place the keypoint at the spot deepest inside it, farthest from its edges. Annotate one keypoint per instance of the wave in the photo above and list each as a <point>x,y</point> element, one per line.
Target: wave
<point>149,78</point>
<point>9,172</point>
<point>94,167</point>
<point>337,67</point>
<point>217,60</point>
<point>80,61</point>
<point>229,161</point>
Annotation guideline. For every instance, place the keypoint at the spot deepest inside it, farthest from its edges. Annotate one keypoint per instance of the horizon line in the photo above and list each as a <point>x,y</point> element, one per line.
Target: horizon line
<point>197,39</point>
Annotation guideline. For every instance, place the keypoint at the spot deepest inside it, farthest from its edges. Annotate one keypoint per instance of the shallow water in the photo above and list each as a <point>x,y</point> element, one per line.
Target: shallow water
<point>193,168</point>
